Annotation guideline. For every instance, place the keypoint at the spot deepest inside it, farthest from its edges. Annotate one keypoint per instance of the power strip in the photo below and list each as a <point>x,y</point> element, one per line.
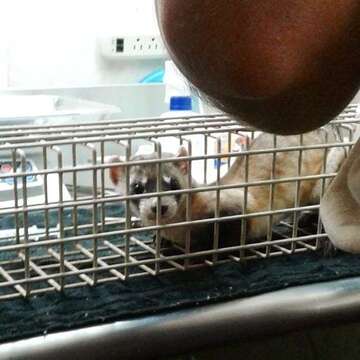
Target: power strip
<point>134,47</point>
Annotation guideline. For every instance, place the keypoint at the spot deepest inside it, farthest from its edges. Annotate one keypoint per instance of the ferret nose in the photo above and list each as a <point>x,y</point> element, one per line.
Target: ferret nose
<point>163,209</point>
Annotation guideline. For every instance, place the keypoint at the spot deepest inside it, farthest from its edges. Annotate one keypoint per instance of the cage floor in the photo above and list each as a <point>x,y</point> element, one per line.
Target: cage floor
<point>80,307</point>
<point>117,300</point>
<point>79,256</point>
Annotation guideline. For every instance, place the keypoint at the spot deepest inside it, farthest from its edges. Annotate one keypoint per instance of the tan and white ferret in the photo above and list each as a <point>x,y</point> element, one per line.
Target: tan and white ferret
<point>143,179</point>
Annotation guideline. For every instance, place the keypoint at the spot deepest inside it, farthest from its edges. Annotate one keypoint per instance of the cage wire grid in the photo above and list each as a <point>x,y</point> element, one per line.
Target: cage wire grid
<point>62,225</point>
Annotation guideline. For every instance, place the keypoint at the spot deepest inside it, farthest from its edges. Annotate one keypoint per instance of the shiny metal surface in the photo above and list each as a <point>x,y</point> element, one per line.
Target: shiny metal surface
<point>179,332</point>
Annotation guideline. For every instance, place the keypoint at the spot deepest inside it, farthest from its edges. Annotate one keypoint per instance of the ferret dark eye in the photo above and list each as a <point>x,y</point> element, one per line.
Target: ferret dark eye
<point>174,184</point>
<point>137,188</point>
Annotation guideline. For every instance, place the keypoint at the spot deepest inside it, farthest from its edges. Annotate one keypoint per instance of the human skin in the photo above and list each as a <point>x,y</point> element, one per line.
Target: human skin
<point>283,66</point>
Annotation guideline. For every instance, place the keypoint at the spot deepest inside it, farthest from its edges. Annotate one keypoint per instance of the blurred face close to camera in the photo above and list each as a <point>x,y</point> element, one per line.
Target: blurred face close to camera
<point>282,66</point>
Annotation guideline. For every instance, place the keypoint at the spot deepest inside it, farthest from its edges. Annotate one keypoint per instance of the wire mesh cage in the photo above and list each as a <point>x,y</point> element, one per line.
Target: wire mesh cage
<point>97,202</point>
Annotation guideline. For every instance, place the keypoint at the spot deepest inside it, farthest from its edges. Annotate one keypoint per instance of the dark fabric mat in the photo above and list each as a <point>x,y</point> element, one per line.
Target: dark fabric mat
<point>76,308</point>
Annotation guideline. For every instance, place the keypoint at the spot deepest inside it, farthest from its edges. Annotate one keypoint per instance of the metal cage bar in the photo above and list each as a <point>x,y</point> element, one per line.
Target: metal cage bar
<point>63,224</point>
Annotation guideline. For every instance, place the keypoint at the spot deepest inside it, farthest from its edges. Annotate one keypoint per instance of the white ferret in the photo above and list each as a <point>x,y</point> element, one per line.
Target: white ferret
<point>143,179</point>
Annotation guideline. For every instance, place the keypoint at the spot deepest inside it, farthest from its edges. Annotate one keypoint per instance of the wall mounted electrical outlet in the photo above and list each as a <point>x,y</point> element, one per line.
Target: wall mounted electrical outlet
<point>133,47</point>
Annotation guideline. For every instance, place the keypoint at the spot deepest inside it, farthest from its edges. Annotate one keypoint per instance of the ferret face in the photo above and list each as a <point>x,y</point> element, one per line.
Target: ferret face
<point>143,180</point>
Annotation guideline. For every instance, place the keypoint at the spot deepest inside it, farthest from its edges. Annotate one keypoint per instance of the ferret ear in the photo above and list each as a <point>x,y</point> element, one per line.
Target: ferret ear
<point>183,165</point>
<point>243,140</point>
<point>116,172</point>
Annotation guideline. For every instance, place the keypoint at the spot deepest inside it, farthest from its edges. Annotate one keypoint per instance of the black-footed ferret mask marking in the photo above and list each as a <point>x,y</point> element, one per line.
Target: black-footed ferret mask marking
<point>143,180</point>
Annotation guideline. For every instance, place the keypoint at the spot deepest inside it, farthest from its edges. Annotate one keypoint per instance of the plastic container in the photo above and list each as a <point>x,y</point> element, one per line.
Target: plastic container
<point>180,106</point>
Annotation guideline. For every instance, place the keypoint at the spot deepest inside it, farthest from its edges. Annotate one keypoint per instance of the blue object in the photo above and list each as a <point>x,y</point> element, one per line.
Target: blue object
<point>180,103</point>
<point>156,76</point>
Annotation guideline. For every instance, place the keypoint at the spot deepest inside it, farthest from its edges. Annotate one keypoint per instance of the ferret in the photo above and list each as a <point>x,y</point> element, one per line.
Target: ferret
<point>143,179</point>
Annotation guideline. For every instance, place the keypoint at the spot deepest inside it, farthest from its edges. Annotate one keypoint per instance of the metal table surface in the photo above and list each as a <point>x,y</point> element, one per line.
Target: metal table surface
<point>182,331</point>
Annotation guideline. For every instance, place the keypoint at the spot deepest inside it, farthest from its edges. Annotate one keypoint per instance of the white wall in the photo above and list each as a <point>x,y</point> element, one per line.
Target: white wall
<point>46,43</point>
